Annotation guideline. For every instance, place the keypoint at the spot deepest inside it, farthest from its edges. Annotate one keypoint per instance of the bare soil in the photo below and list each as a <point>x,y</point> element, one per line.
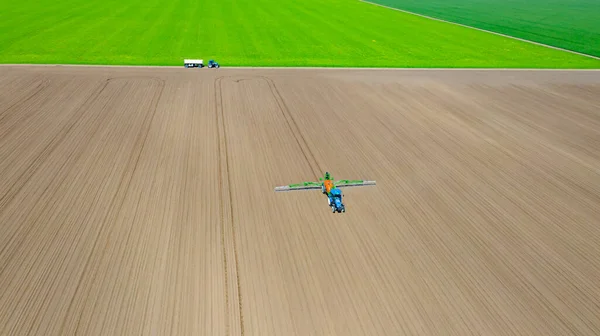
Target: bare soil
<point>140,201</point>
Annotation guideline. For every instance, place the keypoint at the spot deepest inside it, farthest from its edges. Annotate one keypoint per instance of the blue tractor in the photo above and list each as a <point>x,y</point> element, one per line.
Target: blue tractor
<point>213,64</point>
<point>335,201</point>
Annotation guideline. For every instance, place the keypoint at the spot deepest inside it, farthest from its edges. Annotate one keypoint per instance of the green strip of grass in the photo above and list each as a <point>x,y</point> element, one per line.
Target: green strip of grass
<point>338,33</point>
<point>572,25</point>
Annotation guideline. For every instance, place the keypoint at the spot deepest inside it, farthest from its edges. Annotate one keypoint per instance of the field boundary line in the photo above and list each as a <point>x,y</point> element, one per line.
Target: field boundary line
<point>482,30</point>
<point>233,311</point>
<point>411,69</point>
<point>308,67</point>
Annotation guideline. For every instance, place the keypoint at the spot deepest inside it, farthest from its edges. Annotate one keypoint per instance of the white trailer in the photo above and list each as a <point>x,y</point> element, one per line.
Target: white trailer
<point>193,63</point>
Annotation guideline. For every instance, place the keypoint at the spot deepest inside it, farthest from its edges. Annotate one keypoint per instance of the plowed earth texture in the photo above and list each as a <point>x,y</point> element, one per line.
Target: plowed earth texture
<point>140,201</point>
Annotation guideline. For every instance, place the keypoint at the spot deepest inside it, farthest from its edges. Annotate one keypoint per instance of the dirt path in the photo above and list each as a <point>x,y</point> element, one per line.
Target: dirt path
<point>140,201</point>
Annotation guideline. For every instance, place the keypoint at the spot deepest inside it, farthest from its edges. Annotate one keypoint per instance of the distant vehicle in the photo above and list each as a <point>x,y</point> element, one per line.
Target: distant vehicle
<point>193,63</point>
<point>328,187</point>
<point>213,64</point>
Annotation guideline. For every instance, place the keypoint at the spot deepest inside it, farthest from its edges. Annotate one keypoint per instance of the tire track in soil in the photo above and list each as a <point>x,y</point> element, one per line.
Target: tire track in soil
<point>227,219</point>
<point>225,192</point>
<point>124,179</point>
<point>120,194</point>
<point>43,83</point>
<point>14,189</point>
<point>88,102</point>
<point>308,154</point>
<point>9,196</point>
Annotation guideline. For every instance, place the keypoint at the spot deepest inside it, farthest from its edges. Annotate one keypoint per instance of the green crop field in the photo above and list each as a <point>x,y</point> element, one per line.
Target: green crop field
<point>568,24</point>
<point>254,33</point>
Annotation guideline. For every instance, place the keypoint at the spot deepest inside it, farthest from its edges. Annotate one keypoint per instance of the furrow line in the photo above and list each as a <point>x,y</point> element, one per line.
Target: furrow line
<point>233,310</point>
<point>308,154</point>
<point>42,85</point>
<point>4,251</point>
<point>119,195</point>
<point>48,149</point>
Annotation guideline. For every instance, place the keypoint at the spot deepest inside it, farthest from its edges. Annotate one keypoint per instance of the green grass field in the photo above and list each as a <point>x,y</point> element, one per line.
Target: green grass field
<point>254,33</point>
<point>568,24</point>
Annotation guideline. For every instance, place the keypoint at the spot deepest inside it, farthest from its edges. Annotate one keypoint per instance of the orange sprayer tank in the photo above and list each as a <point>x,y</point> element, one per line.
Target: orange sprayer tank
<point>328,185</point>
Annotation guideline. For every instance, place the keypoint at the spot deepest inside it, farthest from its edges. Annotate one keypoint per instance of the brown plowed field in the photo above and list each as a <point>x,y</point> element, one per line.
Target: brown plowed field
<point>140,201</point>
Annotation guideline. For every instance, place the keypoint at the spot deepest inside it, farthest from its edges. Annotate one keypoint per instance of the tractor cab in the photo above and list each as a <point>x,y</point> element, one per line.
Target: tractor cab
<point>213,64</point>
<point>335,200</point>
